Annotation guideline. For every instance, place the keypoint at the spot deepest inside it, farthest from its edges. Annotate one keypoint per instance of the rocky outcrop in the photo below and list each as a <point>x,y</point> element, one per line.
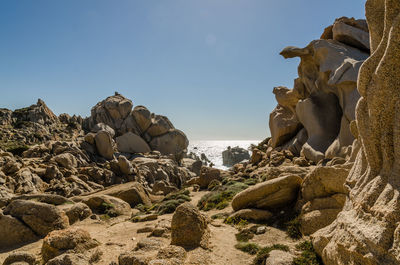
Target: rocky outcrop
<point>366,231</point>
<point>234,155</point>
<point>137,130</point>
<point>189,227</point>
<point>324,96</point>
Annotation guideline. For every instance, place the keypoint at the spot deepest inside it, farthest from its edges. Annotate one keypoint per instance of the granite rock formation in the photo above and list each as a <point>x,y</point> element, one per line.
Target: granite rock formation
<point>313,118</point>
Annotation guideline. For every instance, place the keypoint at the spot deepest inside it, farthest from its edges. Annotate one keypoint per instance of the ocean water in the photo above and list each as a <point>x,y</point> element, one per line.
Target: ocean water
<point>213,149</point>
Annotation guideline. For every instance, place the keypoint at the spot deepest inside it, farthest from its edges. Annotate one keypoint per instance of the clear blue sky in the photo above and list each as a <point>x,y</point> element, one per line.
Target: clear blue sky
<point>209,65</point>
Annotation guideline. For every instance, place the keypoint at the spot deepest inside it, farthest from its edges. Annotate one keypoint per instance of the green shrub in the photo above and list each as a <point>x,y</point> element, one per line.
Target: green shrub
<point>308,255</point>
<point>17,149</point>
<point>250,248</point>
<point>220,198</point>
<point>263,253</point>
<point>172,201</point>
<point>293,228</point>
<point>244,235</point>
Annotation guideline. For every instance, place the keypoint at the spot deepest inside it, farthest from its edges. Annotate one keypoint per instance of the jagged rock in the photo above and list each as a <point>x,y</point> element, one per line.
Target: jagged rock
<point>58,242</point>
<point>174,142</point>
<point>14,232</point>
<point>66,160</point>
<point>22,258</point>
<point>366,231</point>
<point>38,113</point>
<point>42,218</point>
<point>104,144</point>
<point>192,165</point>
<point>5,117</point>
<point>234,155</point>
<point>270,194</point>
<point>125,165</point>
<point>162,186</point>
<point>189,227</point>
<point>132,143</point>
<point>159,125</point>
<point>24,181</point>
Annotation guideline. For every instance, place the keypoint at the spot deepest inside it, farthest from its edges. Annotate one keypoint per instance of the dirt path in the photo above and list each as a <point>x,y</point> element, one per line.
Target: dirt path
<point>120,235</point>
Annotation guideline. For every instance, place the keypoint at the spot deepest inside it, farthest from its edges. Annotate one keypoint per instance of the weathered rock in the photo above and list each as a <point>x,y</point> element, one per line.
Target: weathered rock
<point>125,165</point>
<point>76,212</point>
<point>104,144</point>
<point>105,204</point>
<point>366,231</point>
<point>323,182</point>
<point>132,143</point>
<point>189,227</point>
<point>350,35</point>
<point>174,142</point>
<point>103,127</point>
<point>279,257</point>
<point>252,214</point>
<point>270,194</point>
<point>160,125</point>
<point>38,113</point>
<point>69,259</point>
<point>192,165</point>
<point>142,117</point>
<point>42,218</point>
<point>66,160</point>
<point>131,192</point>
<point>112,111</point>
<point>234,155</point>
<point>72,239</point>
<point>207,175</point>
<point>13,232</point>
<point>283,125</point>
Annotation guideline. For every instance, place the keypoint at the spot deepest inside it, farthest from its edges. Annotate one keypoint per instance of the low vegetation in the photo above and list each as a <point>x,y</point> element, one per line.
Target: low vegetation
<point>221,196</point>
<point>251,248</point>
<point>308,255</point>
<point>293,228</point>
<point>172,201</point>
<point>263,253</point>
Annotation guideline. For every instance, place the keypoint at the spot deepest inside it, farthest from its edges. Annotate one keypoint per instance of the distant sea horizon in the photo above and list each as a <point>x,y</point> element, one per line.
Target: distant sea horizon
<point>213,148</point>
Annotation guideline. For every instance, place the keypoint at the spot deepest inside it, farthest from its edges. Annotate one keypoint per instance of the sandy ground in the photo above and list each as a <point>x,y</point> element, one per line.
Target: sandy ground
<point>120,235</point>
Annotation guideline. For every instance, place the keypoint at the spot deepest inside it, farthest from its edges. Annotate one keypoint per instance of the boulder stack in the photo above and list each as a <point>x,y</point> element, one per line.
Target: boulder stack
<point>136,131</point>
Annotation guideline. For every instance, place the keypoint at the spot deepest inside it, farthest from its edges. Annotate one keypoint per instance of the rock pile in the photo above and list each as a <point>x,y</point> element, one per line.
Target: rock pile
<point>313,118</point>
<point>136,131</point>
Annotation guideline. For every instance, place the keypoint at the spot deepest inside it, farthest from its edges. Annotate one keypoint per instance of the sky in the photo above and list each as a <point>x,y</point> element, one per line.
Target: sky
<point>209,65</point>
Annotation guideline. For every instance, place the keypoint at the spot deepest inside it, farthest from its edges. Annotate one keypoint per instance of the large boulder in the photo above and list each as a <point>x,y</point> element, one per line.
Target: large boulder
<point>131,192</point>
<point>42,218</point>
<point>112,111</point>
<point>104,144</point>
<point>66,160</point>
<point>367,230</point>
<point>174,142</point>
<point>132,143</point>
<point>72,240</point>
<point>105,204</point>
<point>189,227</point>
<point>14,232</point>
<point>159,125</point>
<point>270,194</point>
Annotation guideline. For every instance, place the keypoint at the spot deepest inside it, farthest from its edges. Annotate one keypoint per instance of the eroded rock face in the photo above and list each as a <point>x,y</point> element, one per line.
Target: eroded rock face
<point>324,96</point>
<point>366,231</point>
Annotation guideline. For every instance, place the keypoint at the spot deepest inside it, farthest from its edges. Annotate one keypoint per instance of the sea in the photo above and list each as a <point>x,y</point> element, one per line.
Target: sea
<point>213,148</point>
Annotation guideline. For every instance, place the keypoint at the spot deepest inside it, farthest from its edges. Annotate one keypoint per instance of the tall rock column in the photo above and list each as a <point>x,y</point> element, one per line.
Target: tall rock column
<point>367,231</point>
